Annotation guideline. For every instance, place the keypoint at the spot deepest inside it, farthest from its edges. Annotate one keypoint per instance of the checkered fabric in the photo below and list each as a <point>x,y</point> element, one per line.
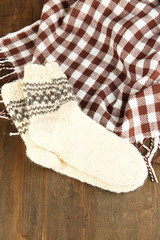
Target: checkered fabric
<point>16,50</point>
<point>110,52</point>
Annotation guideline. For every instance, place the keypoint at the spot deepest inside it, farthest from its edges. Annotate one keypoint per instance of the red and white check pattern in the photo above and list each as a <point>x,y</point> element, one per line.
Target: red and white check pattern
<point>110,52</point>
<point>17,48</point>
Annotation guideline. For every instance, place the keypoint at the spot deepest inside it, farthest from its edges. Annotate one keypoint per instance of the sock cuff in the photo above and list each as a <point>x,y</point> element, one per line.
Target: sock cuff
<point>54,71</point>
<point>12,92</point>
<point>34,73</point>
<point>45,88</point>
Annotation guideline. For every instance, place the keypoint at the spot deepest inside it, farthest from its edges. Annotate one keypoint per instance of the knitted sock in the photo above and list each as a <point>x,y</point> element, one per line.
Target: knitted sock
<point>58,125</point>
<point>14,100</point>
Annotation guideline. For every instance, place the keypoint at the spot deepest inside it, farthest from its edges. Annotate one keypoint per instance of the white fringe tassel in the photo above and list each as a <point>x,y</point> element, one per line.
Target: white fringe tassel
<point>4,61</point>
<point>13,134</point>
<point>8,75</point>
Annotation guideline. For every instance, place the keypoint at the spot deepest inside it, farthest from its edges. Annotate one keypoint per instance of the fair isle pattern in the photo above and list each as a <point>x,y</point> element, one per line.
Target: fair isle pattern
<point>20,117</point>
<point>47,97</point>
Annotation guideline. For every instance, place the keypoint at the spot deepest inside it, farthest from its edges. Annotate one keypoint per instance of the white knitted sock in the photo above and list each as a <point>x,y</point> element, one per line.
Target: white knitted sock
<point>14,100</point>
<point>58,125</point>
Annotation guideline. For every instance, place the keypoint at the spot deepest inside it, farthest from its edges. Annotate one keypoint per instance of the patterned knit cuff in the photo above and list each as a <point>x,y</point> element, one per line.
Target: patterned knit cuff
<point>12,92</point>
<point>45,88</point>
<point>14,101</point>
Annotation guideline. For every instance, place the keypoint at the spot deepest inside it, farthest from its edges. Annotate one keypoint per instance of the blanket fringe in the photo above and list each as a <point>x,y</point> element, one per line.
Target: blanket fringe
<point>7,74</point>
<point>7,70</point>
<point>13,134</point>
<point>149,154</point>
<point>154,149</point>
<point>5,115</point>
<point>146,156</point>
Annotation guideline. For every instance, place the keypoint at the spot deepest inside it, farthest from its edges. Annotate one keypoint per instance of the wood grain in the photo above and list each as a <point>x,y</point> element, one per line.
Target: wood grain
<point>39,204</point>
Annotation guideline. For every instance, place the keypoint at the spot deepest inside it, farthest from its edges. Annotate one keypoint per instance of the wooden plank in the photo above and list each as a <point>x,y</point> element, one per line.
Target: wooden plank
<point>39,204</point>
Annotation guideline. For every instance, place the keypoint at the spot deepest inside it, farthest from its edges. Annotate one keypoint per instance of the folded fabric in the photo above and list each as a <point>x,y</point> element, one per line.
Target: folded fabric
<point>47,116</point>
<point>110,52</point>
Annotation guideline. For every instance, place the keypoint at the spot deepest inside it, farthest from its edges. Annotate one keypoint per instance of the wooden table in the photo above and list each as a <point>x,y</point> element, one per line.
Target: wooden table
<point>40,204</point>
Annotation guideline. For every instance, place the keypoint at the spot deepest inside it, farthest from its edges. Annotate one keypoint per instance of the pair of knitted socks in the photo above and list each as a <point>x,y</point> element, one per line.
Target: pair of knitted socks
<point>58,135</point>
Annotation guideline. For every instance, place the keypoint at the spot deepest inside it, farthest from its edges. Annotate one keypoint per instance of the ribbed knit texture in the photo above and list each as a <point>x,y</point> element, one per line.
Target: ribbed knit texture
<point>77,140</point>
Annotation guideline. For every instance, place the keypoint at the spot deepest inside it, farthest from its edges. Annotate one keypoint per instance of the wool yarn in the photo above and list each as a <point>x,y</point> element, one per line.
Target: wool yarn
<point>13,97</point>
<point>58,125</point>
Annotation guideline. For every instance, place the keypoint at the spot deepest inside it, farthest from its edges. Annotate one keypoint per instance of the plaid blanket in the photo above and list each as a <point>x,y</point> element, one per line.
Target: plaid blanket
<point>110,52</point>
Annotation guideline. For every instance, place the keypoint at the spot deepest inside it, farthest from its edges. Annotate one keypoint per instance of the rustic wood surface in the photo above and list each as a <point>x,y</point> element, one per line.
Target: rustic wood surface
<point>40,204</point>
